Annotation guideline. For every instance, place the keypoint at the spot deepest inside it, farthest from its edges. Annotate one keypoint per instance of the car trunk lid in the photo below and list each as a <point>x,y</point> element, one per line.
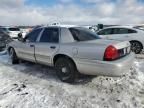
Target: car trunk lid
<point>97,48</point>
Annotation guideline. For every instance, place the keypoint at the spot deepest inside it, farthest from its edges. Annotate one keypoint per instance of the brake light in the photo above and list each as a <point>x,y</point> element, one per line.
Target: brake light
<point>111,53</point>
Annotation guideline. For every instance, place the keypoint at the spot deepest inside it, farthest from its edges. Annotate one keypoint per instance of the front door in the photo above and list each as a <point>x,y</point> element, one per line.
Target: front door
<point>47,46</point>
<point>27,48</point>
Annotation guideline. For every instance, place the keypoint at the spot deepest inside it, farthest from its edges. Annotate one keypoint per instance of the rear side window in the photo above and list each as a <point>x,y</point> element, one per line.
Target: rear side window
<point>14,29</point>
<point>32,36</point>
<point>50,35</point>
<point>82,34</point>
<point>123,31</point>
<point>132,31</point>
<point>105,32</point>
<point>120,31</point>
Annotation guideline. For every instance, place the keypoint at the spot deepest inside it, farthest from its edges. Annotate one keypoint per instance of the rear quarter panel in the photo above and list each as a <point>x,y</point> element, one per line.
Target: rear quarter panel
<point>83,51</point>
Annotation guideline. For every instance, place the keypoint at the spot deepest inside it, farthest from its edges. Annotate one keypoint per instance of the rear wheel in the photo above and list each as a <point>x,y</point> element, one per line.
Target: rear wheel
<point>13,56</point>
<point>136,47</point>
<point>66,70</point>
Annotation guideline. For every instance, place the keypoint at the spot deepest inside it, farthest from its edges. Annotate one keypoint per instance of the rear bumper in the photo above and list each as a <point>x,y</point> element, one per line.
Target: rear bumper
<point>111,68</point>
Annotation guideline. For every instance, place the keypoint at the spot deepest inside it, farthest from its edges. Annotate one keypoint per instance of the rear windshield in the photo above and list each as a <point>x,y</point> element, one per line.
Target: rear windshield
<point>14,29</point>
<point>83,34</point>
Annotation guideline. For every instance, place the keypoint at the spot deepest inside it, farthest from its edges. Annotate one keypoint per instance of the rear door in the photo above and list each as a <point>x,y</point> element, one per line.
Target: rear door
<point>47,46</point>
<point>27,48</point>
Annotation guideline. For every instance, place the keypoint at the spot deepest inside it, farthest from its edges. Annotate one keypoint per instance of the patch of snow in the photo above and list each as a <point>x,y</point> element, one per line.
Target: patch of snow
<point>3,52</point>
<point>140,56</point>
<point>4,58</point>
<point>29,85</point>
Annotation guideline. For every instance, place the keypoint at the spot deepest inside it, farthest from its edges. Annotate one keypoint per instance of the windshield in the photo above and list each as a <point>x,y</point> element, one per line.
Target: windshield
<point>83,34</point>
<point>14,29</point>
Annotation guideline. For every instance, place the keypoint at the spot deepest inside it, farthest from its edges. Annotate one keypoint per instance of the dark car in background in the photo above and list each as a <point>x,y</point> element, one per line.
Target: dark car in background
<point>4,40</point>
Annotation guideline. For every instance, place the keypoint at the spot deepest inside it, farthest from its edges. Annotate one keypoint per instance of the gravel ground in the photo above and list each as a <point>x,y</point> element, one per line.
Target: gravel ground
<point>29,85</point>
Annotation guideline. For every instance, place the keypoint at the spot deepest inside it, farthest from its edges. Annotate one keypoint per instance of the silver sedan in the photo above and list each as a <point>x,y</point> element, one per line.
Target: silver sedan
<point>72,50</point>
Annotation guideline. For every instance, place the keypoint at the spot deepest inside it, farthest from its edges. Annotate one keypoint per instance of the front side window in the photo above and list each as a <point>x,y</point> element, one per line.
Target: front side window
<point>82,34</point>
<point>50,35</point>
<point>32,36</point>
<point>105,32</point>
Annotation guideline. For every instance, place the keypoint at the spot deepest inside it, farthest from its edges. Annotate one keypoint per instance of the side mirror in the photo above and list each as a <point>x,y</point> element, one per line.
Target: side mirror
<point>20,37</point>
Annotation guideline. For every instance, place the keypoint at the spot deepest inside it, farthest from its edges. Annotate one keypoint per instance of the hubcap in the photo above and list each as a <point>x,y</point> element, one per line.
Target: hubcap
<point>64,70</point>
<point>136,47</point>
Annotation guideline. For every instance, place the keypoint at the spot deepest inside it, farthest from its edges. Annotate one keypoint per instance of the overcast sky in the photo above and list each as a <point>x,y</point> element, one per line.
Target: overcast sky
<point>33,12</point>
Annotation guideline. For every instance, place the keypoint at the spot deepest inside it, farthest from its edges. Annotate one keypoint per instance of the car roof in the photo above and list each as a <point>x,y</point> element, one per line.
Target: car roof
<point>120,27</point>
<point>58,26</point>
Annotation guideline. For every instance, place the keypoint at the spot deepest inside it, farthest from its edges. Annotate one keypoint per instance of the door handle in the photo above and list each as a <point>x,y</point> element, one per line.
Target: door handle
<point>52,47</point>
<point>31,45</point>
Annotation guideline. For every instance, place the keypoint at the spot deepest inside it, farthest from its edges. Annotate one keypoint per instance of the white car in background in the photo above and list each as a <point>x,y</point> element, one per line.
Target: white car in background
<point>125,33</point>
<point>12,31</point>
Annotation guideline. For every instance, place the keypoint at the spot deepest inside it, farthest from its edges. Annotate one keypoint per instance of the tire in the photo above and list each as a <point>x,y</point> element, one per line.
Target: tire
<point>13,56</point>
<point>136,47</point>
<point>66,70</point>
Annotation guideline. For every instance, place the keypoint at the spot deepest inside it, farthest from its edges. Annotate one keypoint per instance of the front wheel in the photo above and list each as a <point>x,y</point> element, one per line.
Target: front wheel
<point>13,56</point>
<point>66,70</point>
<point>136,47</point>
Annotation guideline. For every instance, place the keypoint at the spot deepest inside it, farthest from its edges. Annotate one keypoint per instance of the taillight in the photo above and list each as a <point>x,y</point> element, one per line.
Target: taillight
<point>111,53</point>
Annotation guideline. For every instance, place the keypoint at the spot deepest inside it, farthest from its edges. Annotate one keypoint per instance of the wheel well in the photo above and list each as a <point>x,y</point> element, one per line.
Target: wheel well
<point>62,56</point>
<point>137,41</point>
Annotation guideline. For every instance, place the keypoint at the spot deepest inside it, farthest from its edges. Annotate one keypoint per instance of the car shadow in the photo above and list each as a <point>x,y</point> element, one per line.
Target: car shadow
<point>47,73</point>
